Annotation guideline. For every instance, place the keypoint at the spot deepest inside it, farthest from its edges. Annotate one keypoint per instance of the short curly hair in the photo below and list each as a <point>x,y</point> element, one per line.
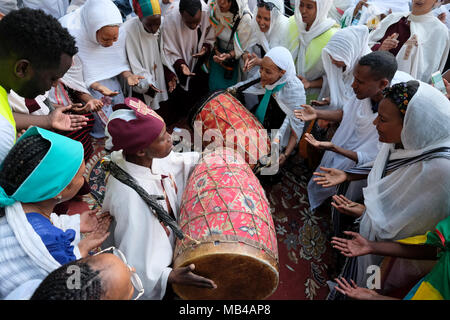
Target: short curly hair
<point>35,36</point>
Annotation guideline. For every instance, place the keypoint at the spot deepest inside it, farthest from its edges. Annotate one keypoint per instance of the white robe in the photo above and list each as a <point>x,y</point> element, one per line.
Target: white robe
<point>357,133</point>
<point>138,232</point>
<point>430,55</point>
<point>180,42</point>
<point>144,57</point>
<point>412,199</point>
<point>56,8</point>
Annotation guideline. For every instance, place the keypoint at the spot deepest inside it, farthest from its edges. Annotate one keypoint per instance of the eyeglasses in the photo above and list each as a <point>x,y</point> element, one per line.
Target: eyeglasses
<point>268,5</point>
<point>135,280</point>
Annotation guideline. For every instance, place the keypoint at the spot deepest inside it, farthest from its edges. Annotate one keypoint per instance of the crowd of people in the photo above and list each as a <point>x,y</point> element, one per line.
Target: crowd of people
<point>373,75</point>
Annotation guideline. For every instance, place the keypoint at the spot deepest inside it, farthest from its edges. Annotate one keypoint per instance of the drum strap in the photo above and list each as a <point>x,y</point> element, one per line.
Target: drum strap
<point>151,200</point>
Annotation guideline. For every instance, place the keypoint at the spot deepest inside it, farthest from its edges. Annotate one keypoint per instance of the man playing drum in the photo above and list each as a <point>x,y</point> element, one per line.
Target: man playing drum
<point>141,147</point>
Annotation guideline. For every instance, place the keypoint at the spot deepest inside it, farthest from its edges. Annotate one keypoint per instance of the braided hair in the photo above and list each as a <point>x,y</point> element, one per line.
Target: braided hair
<point>73,281</point>
<point>401,94</point>
<point>20,162</point>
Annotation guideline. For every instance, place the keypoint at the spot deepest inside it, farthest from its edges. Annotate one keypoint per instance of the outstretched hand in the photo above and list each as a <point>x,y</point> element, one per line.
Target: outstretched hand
<point>324,145</point>
<point>185,276</point>
<point>66,122</point>
<point>330,177</point>
<point>348,207</point>
<point>355,292</point>
<point>355,247</point>
<point>186,71</point>
<point>308,113</point>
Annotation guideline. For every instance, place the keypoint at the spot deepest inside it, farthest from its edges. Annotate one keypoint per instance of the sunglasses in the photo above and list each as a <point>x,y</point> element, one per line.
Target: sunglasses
<point>268,5</point>
<point>135,280</point>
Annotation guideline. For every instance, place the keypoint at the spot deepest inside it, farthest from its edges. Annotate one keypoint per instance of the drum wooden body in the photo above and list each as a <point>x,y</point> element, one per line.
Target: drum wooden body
<point>236,127</point>
<point>224,208</point>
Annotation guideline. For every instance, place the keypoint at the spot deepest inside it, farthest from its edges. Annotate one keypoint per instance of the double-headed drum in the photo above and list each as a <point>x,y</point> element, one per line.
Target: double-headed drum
<point>224,120</point>
<point>225,211</point>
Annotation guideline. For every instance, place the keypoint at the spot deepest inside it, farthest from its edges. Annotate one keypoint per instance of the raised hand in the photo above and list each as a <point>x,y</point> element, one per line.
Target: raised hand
<point>348,207</point>
<point>355,247</point>
<point>323,102</point>
<point>92,105</point>
<point>66,122</point>
<point>200,54</point>
<point>251,62</point>
<point>106,91</point>
<point>330,177</point>
<point>355,292</point>
<point>172,84</point>
<point>186,71</point>
<point>133,79</point>
<point>324,145</point>
<point>389,43</point>
<point>185,276</point>
<point>308,113</point>
<point>306,82</point>
<point>96,237</point>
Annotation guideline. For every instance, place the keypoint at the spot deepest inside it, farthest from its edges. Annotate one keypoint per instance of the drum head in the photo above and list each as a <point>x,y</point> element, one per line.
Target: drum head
<point>241,272</point>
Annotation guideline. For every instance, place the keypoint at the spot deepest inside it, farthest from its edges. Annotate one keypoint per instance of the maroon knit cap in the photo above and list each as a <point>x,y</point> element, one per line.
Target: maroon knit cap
<point>132,126</point>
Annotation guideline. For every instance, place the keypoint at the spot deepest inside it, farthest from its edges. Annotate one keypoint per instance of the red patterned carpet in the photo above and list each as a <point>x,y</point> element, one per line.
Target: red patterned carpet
<point>304,250</point>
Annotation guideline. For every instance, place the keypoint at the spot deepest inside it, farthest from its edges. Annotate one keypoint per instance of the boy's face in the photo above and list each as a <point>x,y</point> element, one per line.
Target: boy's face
<point>151,23</point>
<point>270,73</point>
<point>161,147</point>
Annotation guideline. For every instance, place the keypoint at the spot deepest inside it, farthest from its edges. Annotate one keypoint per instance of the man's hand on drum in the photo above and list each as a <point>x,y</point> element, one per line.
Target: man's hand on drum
<point>185,276</point>
<point>308,113</point>
<point>329,177</point>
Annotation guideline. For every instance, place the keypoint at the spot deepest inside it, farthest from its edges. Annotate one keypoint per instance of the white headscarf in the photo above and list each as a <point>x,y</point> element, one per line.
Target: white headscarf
<point>99,63</point>
<point>291,96</point>
<point>321,24</point>
<point>338,8</point>
<point>276,35</point>
<point>412,199</point>
<point>347,45</point>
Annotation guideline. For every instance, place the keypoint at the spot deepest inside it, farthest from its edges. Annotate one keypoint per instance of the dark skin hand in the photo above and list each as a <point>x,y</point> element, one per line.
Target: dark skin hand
<point>185,276</point>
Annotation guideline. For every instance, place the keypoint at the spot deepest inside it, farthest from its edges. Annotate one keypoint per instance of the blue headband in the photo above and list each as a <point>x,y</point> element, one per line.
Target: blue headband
<point>53,174</point>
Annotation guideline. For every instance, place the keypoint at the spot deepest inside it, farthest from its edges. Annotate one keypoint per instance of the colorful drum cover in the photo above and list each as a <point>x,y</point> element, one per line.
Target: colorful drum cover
<point>227,122</point>
<point>231,237</point>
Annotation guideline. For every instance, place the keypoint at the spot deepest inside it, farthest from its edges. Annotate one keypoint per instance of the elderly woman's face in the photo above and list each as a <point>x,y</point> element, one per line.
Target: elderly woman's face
<point>224,5</point>
<point>263,19</point>
<point>308,10</point>
<point>389,122</point>
<point>420,7</point>
<point>107,35</point>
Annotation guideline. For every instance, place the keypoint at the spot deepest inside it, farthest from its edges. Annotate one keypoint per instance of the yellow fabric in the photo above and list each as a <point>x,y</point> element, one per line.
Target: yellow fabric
<point>5,109</point>
<point>414,240</point>
<point>427,292</point>
<point>314,50</point>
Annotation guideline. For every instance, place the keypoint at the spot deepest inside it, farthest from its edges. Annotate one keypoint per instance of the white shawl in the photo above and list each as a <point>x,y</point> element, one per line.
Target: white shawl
<point>180,42</point>
<point>347,45</point>
<point>138,232</point>
<point>320,25</point>
<point>357,133</point>
<point>289,98</point>
<point>430,54</point>
<point>99,63</point>
<point>412,199</point>
<point>338,8</point>
<point>144,57</point>
<point>56,8</point>
<point>276,35</point>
